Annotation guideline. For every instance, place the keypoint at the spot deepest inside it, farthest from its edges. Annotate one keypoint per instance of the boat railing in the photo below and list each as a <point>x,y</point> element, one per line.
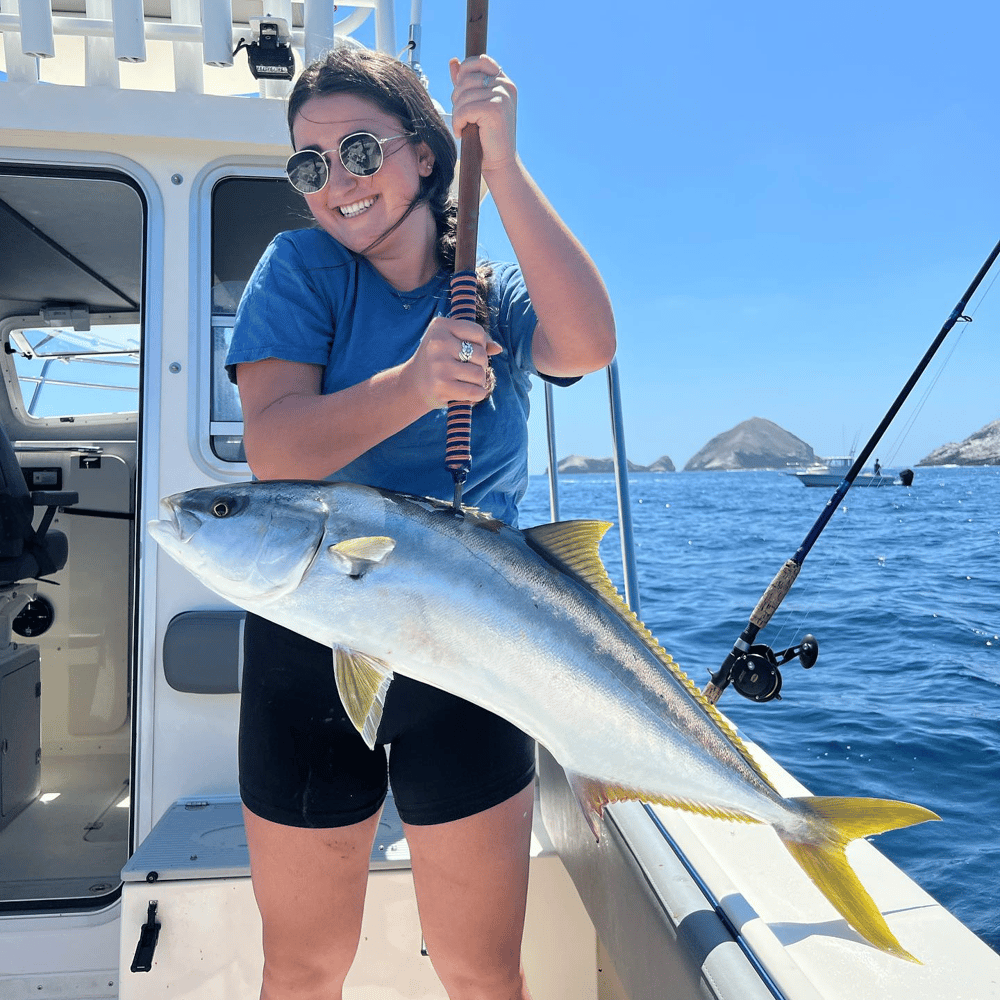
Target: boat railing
<point>626,533</point>
<point>203,35</point>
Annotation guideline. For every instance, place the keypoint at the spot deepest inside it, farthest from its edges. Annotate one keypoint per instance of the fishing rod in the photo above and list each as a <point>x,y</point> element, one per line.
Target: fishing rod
<point>458,436</point>
<point>753,669</point>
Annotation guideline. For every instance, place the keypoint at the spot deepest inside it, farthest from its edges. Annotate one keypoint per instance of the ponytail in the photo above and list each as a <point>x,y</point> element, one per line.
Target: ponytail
<point>446,219</point>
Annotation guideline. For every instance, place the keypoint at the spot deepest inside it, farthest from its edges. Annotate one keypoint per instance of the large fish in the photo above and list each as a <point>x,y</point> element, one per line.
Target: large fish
<point>526,624</point>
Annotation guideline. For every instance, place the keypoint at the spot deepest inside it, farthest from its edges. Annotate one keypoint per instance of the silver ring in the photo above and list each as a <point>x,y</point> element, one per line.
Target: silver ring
<point>465,354</point>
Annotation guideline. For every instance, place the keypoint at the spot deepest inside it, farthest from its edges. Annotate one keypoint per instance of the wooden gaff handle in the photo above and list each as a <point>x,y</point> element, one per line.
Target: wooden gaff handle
<point>458,437</point>
<point>471,155</point>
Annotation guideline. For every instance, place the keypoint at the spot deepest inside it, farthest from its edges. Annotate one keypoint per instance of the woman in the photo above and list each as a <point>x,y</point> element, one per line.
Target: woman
<point>345,359</point>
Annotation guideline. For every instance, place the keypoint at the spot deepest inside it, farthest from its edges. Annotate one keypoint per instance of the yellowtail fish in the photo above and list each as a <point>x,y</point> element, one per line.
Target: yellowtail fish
<point>526,624</point>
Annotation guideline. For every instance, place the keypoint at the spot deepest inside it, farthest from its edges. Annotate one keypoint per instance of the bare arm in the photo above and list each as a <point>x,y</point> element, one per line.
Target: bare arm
<point>291,431</point>
<point>576,327</point>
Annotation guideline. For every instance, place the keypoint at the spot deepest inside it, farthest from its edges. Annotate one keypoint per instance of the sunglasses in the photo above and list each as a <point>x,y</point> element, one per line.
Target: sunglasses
<point>360,153</point>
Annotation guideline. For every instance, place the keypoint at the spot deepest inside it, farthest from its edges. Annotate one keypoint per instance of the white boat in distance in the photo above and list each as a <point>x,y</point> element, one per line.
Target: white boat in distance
<point>833,471</point>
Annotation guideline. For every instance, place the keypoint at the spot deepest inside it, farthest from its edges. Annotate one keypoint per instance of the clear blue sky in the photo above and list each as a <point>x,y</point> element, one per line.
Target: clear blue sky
<point>785,200</point>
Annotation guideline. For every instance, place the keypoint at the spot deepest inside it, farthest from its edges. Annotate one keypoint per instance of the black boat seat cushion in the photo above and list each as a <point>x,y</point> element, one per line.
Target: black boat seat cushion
<point>25,552</point>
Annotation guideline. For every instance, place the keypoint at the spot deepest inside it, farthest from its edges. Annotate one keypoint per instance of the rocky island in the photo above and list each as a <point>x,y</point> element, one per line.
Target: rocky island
<point>576,464</point>
<point>981,448</point>
<point>754,444</point>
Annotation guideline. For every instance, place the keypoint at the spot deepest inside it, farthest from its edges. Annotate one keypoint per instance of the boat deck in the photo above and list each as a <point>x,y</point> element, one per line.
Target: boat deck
<point>73,845</point>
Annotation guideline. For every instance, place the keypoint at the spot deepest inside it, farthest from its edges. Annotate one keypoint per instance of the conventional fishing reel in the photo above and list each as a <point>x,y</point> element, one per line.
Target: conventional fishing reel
<point>755,674</point>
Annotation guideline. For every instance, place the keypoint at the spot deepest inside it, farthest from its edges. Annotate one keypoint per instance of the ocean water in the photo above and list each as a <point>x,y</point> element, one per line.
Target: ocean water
<point>902,592</point>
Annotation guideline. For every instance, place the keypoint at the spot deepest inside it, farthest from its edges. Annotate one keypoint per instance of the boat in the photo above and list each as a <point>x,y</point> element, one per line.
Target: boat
<point>139,183</point>
<point>831,472</point>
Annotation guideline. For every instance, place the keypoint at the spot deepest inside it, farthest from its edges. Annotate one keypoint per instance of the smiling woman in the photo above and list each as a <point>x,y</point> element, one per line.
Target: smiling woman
<point>346,358</point>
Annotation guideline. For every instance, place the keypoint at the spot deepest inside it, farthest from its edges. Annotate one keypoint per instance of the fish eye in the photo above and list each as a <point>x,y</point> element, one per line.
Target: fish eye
<point>221,508</point>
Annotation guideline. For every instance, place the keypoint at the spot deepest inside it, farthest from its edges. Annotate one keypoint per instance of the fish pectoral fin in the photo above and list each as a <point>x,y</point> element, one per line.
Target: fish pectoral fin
<point>362,683</point>
<point>355,556</point>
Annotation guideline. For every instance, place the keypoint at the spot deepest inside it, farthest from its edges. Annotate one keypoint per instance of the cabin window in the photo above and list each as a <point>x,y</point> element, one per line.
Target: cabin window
<point>64,372</point>
<point>247,213</point>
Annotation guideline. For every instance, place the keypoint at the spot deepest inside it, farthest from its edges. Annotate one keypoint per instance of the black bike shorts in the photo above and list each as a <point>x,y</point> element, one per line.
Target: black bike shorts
<point>302,762</point>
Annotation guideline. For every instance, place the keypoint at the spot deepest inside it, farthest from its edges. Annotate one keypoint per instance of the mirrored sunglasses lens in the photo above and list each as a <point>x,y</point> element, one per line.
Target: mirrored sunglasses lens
<point>307,171</point>
<point>361,154</point>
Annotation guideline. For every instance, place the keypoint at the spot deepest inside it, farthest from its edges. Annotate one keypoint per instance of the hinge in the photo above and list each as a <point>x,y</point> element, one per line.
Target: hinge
<point>76,315</point>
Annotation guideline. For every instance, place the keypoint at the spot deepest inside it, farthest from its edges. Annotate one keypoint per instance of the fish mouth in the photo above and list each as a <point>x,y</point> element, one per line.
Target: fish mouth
<point>175,523</point>
<point>183,523</point>
<point>169,529</point>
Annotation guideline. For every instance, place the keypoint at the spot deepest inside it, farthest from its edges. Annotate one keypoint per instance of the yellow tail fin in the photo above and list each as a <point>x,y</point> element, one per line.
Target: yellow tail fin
<point>825,862</point>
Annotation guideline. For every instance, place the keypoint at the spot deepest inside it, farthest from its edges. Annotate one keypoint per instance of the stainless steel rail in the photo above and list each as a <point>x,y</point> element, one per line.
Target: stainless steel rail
<point>621,479</point>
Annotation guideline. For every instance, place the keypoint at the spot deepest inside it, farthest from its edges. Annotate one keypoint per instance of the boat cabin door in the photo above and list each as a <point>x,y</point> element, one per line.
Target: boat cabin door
<point>71,329</point>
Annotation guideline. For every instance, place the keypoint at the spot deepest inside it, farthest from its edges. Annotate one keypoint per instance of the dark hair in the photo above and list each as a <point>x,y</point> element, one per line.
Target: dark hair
<point>397,90</point>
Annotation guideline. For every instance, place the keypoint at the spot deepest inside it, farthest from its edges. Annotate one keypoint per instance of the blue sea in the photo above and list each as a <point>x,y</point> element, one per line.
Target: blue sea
<point>902,592</point>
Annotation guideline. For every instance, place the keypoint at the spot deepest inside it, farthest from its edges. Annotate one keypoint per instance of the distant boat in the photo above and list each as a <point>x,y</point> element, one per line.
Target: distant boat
<point>831,472</point>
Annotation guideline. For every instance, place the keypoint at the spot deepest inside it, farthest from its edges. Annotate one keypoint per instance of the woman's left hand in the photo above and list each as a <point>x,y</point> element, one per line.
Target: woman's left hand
<point>483,96</point>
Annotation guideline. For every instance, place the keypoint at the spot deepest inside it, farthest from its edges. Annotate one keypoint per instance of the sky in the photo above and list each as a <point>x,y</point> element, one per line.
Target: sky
<point>785,201</point>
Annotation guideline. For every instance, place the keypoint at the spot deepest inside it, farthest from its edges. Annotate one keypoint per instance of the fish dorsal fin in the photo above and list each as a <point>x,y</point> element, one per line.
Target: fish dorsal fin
<point>355,556</point>
<point>362,683</point>
<point>574,546</point>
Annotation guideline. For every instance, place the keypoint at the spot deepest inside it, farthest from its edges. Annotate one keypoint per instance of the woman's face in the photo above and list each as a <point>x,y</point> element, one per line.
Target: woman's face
<point>355,210</point>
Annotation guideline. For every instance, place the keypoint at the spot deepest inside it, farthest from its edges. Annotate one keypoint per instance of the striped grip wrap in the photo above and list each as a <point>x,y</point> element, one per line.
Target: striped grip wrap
<point>458,437</point>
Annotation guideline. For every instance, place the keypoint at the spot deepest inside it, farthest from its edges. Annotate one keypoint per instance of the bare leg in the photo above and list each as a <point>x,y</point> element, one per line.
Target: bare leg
<point>310,889</point>
<point>471,878</point>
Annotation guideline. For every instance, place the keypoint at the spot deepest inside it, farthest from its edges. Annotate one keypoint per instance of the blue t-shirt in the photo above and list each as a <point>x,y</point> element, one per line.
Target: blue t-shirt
<point>309,300</point>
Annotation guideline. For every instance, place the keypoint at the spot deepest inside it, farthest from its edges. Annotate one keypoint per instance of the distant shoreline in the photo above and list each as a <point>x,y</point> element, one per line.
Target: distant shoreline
<point>760,445</point>
<point>646,471</point>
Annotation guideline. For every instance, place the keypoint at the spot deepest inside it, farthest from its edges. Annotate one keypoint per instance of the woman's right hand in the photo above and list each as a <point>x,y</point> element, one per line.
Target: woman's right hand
<point>436,373</point>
